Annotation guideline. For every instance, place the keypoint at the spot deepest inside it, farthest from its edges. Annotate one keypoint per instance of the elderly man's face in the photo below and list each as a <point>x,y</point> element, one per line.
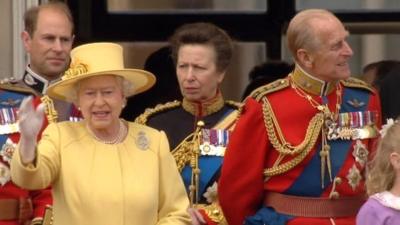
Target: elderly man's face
<point>101,100</point>
<point>330,59</point>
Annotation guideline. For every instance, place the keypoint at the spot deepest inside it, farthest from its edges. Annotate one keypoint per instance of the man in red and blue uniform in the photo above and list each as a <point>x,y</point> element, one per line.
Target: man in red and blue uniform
<point>47,38</point>
<point>299,150</point>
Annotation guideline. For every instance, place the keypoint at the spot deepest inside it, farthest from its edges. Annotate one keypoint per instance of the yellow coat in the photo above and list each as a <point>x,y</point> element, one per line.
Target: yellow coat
<point>135,182</point>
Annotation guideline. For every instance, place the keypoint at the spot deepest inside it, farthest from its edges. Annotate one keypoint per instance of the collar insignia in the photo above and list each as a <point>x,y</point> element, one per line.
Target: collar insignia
<point>35,81</point>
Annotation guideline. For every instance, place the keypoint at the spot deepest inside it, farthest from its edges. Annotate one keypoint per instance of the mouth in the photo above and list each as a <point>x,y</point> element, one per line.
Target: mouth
<point>190,89</point>
<point>343,64</point>
<point>101,114</point>
<point>57,60</point>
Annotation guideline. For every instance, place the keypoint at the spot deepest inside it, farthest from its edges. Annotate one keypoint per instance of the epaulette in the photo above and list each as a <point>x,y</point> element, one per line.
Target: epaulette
<point>142,118</point>
<point>15,86</point>
<point>234,104</point>
<point>357,83</point>
<point>269,88</point>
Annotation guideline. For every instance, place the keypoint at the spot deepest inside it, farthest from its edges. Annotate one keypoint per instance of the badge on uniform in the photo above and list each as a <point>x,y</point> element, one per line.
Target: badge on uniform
<point>8,120</point>
<point>213,141</point>
<point>360,152</point>
<point>7,150</point>
<point>353,126</point>
<point>355,103</point>
<point>5,174</point>
<point>354,177</point>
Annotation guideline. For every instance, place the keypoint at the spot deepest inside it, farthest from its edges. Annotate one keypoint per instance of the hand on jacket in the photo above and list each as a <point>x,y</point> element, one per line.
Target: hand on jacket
<point>197,218</point>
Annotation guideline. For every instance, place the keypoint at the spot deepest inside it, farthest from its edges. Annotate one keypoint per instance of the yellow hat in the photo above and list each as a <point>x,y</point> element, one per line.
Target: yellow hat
<point>96,59</point>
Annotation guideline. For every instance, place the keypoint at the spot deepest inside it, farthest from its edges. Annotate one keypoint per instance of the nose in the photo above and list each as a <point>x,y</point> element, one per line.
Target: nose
<point>347,49</point>
<point>99,100</point>
<point>57,46</point>
<point>190,74</point>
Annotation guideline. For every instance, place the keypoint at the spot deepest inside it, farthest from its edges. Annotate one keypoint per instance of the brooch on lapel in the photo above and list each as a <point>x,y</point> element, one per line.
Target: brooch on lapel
<point>142,141</point>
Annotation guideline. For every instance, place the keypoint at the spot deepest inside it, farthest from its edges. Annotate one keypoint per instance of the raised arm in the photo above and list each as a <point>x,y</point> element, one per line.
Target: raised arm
<point>30,124</point>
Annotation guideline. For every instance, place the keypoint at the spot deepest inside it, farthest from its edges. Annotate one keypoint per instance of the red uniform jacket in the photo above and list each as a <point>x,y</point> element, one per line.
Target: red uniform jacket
<point>242,185</point>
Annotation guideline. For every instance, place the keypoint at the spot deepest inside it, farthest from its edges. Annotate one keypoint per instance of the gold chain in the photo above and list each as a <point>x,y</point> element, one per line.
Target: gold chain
<point>328,118</point>
<point>323,108</point>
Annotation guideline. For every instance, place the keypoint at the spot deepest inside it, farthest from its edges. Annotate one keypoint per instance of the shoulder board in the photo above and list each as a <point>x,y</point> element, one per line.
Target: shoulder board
<point>270,88</point>
<point>142,118</point>
<point>15,86</point>
<point>233,104</point>
<point>356,83</point>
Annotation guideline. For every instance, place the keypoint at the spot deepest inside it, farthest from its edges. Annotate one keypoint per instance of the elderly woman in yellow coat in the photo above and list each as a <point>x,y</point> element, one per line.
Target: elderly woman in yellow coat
<point>103,170</point>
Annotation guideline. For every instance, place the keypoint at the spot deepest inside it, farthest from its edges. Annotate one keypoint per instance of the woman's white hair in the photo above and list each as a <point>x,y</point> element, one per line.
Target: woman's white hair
<point>126,86</point>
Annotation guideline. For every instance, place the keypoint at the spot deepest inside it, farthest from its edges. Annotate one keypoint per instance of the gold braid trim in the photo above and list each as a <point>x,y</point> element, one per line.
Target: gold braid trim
<point>37,221</point>
<point>7,85</point>
<point>184,152</point>
<point>48,216</point>
<point>285,148</point>
<point>277,85</point>
<point>142,118</point>
<point>214,212</point>
<point>239,109</point>
<point>234,104</point>
<point>51,112</point>
<point>357,83</point>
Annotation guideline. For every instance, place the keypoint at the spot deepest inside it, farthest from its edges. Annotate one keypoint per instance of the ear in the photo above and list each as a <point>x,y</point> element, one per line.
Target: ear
<point>395,160</point>
<point>221,77</point>
<point>304,58</point>
<point>26,39</point>
<point>124,102</point>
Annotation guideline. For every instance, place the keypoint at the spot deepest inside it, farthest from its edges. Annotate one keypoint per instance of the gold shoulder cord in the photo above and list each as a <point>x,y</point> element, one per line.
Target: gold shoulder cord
<point>51,112</point>
<point>142,118</point>
<point>183,152</point>
<point>284,148</point>
<point>187,152</point>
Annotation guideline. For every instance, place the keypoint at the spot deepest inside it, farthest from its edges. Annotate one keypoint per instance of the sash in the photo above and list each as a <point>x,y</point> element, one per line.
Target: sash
<point>210,164</point>
<point>339,151</point>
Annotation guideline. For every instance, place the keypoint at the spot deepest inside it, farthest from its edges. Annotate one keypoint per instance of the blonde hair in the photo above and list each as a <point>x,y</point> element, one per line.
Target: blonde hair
<point>380,172</point>
<point>302,34</point>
